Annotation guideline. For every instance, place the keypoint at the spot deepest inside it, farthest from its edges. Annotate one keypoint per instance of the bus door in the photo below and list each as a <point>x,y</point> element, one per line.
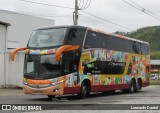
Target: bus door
<point>70,65</point>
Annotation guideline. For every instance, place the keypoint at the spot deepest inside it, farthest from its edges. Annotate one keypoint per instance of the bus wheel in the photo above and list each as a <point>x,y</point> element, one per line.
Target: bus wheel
<point>132,88</point>
<point>138,85</point>
<point>83,91</point>
<point>51,96</point>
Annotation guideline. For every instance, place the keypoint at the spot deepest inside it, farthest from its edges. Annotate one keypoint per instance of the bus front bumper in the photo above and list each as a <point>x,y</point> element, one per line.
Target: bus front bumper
<point>56,90</point>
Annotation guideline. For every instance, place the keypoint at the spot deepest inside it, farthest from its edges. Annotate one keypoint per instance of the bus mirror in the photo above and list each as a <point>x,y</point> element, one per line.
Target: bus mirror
<point>64,49</point>
<point>15,51</point>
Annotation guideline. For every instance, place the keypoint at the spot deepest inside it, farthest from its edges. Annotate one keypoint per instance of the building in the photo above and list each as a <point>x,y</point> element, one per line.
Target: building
<point>3,38</point>
<point>15,30</point>
<point>155,66</point>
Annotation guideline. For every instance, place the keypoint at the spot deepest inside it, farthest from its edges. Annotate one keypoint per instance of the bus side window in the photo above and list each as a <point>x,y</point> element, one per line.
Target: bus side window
<point>107,42</point>
<point>136,47</point>
<point>93,40</point>
<point>145,49</point>
<point>127,46</point>
<point>118,44</point>
<point>76,36</point>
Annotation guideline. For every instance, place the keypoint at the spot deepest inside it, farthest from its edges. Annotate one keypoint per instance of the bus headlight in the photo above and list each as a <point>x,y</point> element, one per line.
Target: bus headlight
<point>56,90</point>
<point>54,83</point>
<point>25,83</point>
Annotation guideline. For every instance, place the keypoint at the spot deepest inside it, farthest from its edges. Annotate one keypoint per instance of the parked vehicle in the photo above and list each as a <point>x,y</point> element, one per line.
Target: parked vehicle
<point>79,60</point>
<point>154,76</point>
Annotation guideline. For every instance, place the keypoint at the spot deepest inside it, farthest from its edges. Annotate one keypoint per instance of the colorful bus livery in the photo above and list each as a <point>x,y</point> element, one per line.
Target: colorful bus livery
<point>78,60</point>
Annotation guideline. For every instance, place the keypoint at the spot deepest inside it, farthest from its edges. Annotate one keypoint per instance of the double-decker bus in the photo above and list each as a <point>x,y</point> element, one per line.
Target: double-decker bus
<point>78,60</point>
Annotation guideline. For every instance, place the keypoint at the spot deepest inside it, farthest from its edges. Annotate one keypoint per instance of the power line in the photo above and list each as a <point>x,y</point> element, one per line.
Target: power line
<point>144,9</point>
<point>47,4</point>
<point>83,7</point>
<point>138,7</point>
<point>88,4</point>
<point>44,15</point>
<point>79,3</point>
<point>94,20</point>
<point>107,20</point>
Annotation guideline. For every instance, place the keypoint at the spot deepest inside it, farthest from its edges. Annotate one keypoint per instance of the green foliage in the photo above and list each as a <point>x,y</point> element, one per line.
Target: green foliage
<point>148,34</point>
<point>155,55</point>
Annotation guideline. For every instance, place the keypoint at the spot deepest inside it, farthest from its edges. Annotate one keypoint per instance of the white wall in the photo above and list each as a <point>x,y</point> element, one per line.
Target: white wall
<point>20,29</point>
<point>2,77</point>
<point>22,25</point>
<point>3,31</point>
<point>14,74</point>
<point>3,38</point>
<point>13,77</point>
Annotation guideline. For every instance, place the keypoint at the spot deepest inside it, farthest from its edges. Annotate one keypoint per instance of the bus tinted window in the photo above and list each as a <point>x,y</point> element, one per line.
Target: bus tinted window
<point>107,42</point>
<point>145,49</point>
<point>93,40</point>
<point>47,37</point>
<point>136,47</point>
<point>117,44</point>
<point>76,36</point>
<point>127,46</point>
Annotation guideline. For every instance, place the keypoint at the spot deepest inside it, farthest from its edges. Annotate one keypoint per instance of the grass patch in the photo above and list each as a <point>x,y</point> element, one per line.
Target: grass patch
<point>154,82</point>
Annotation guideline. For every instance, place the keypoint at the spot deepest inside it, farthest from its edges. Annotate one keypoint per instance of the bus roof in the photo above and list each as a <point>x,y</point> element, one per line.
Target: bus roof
<point>118,36</point>
<point>64,26</point>
<point>99,31</point>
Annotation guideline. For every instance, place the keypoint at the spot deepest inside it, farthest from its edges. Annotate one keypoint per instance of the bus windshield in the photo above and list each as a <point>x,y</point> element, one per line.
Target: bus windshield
<point>41,67</point>
<point>47,37</point>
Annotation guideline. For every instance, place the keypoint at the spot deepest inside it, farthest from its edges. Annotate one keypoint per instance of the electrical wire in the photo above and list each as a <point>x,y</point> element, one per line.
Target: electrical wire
<point>80,7</point>
<point>84,6</point>
<point>79,3</point>
<point>138,7</point>
<point>144,9</point>
<point>46,4</point>
<point>42,15</point>
<point>88,5</point>
<point>107,21</point>
<point>101,22</point>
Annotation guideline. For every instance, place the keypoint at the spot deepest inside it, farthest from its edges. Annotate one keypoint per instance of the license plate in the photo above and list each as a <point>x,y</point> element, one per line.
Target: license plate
<point>38,93</point>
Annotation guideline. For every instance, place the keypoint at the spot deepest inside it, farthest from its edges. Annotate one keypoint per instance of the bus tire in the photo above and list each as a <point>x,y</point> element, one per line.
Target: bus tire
<point>51,96</point>
<point>132,88</point>
<point>83,91</point>
<point>138,85</point>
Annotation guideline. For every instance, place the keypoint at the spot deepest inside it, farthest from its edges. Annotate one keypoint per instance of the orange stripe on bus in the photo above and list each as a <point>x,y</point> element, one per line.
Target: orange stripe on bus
<point>63,49</point>
<point>39,82</point>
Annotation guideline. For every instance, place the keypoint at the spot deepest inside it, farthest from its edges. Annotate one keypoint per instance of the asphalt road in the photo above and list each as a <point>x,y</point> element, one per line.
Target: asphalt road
<point>148,95</point>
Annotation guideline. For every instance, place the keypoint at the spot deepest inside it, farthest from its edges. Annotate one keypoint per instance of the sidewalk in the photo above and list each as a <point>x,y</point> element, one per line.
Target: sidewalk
<point>9,92</point>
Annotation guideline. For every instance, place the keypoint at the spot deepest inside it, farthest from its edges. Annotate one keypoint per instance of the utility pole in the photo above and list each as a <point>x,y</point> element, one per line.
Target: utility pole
<point>76,13</point>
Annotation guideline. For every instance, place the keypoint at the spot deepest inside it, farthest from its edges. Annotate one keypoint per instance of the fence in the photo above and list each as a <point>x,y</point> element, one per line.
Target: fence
<point>11,74</point>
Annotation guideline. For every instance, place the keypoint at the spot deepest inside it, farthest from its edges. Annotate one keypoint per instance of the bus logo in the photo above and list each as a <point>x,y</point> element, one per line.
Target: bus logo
<point>6,107</point>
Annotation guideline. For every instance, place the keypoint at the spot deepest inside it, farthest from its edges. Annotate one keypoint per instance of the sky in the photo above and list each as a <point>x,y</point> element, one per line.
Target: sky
<point>109,15</point>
